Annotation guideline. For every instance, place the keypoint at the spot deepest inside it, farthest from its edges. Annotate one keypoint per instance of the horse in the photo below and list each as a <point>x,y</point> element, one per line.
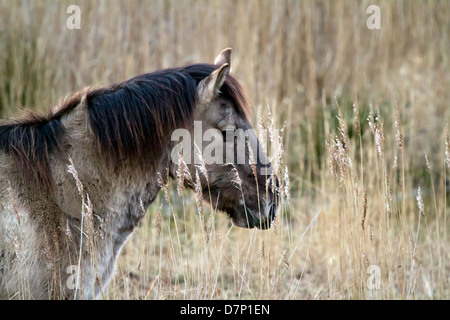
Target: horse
<point>76,181</point>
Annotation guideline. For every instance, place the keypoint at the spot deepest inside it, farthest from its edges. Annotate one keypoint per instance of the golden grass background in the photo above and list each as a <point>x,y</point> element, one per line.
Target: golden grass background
<point>365,114</point>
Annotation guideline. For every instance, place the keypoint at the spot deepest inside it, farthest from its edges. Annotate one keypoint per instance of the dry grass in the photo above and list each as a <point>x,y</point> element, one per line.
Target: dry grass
<point>366,144</point>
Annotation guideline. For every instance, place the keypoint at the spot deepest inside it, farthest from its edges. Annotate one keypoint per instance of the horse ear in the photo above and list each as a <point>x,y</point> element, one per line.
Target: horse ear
<point>224,57</point>
<point>209,87</point>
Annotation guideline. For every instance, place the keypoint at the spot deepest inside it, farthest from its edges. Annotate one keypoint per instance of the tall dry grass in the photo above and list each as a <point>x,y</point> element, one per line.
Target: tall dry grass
<point>365,114</point>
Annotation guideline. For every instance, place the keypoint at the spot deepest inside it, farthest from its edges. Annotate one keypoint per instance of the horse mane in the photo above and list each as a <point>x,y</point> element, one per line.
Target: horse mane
<point>129,119</point>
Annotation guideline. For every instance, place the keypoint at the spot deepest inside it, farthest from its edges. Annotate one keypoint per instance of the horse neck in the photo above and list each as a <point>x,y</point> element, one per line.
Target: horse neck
<point>118,192</point>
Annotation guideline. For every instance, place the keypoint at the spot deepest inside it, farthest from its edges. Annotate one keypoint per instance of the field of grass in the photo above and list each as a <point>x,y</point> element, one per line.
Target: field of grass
<point>366,143</point>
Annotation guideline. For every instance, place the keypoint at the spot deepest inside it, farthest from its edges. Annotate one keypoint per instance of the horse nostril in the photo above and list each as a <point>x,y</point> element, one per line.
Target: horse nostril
<point>272,212</point>
<point>267,217</point>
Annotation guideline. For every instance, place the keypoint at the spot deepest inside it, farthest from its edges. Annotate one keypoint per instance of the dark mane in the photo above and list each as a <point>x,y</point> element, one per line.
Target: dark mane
<point>129,119</point>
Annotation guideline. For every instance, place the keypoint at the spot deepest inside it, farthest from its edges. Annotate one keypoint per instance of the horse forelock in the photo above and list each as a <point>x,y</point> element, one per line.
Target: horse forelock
<point>231,88</point>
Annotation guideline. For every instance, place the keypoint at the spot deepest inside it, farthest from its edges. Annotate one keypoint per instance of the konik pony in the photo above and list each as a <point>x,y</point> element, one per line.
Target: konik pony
<point>74,183</point>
